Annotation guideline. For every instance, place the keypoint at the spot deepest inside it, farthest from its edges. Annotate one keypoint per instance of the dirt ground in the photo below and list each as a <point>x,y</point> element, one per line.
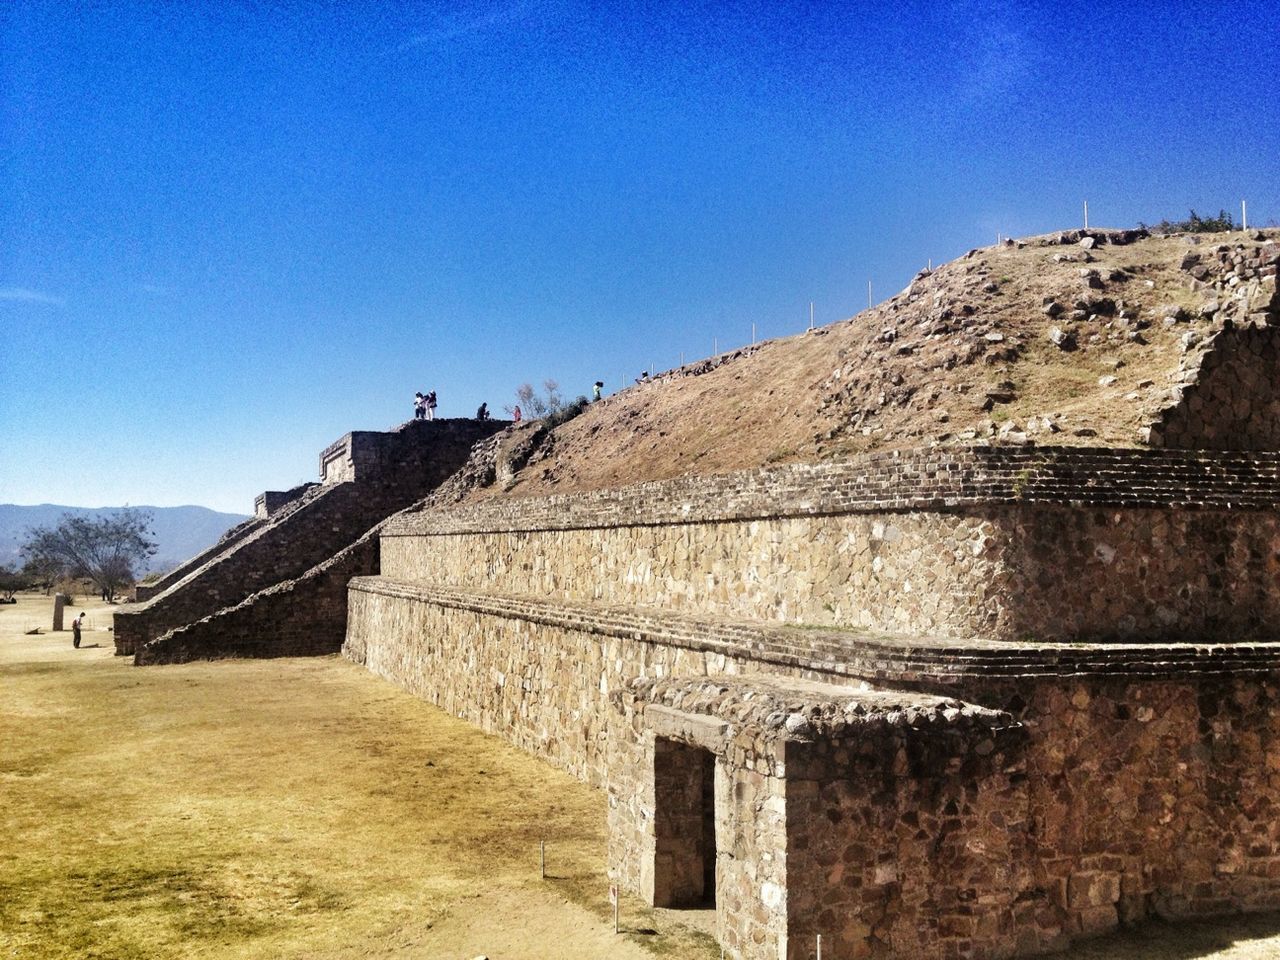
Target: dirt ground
<point>304,808</point>
<point>291,808</point>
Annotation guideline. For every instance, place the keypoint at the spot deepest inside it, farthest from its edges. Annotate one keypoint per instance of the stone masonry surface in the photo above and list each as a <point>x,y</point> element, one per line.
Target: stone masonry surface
<point>145,591</point>
<point>1229,397</point>
<point>890,839</point>
<point>924,479</point>
<point>855,655</point>
<point>306,616</point>
<point>998,572</point>
<point>309,530</point>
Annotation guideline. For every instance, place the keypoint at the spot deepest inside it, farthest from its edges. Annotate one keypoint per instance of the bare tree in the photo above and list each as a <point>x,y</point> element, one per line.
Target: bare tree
<point>536,405</point>
<point>103,549</point>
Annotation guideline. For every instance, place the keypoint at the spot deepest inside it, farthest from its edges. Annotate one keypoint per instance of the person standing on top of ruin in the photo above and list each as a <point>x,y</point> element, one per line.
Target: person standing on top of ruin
<point>76,625</point>
<point>419,406</point>
<point>595,390</point>
<point>431,405</point>
<point>483,412</point>
<point>515,414</point>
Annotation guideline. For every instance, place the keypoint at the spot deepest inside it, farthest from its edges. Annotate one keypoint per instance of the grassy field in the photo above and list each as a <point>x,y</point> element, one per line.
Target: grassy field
<point>303,808</point>
<point>295,808</point>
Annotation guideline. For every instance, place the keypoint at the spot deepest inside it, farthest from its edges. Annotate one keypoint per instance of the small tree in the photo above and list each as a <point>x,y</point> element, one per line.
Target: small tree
<point>103,549</point>
<point>11,581</point>
<point>536,405</point>
<point>41,573</point>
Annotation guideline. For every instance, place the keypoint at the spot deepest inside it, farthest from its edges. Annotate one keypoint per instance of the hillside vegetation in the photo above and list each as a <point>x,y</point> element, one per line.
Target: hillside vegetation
<point>1067,338</point>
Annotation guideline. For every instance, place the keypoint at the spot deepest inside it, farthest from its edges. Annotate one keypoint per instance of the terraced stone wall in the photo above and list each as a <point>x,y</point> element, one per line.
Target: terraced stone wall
<point>541,687</point>
<point>309,530</point>
<point>1123,796</point>
<point>1010,545</point>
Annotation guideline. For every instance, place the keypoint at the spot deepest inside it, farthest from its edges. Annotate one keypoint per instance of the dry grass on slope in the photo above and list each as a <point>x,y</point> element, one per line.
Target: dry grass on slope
<point>963,354</point>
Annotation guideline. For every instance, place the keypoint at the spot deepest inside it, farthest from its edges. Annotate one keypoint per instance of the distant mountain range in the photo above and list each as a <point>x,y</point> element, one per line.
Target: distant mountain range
<point>180,532</point>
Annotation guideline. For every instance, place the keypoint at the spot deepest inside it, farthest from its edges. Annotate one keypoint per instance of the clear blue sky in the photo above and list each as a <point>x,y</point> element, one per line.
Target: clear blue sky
<point>231,232</point>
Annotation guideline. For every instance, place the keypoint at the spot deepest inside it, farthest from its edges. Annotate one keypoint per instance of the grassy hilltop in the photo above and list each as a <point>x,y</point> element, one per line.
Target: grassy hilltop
<point>1043,339</point>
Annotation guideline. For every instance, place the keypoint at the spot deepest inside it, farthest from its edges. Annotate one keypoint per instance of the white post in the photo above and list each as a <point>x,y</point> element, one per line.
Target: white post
<point>869,302</point>
<point>682,358</point>
<point>1086,214</point>
<point>1244,216</point>
<point>715,346</point>
<point>931,264</point>
<point>753,334</point>
<point>810,314</point>
<point>819,946</point>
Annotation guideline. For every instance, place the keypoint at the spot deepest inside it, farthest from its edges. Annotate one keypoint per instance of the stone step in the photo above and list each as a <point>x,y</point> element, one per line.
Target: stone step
<point>847,652</point>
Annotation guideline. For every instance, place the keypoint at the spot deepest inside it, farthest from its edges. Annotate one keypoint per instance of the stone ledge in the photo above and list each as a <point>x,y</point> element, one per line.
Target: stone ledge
<point>783,708</point>
<point>860,655</point>
<point>933,480</point>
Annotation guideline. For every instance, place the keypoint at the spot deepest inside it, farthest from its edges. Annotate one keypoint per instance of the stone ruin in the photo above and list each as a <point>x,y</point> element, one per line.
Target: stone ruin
<point>964,701</point>
<point>275,585</point>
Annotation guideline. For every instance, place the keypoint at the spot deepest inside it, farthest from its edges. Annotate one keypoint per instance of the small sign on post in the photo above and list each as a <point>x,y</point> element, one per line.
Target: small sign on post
<point>613,899</point>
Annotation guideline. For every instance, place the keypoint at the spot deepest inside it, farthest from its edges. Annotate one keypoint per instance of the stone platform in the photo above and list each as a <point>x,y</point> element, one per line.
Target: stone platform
<point>932,704</point>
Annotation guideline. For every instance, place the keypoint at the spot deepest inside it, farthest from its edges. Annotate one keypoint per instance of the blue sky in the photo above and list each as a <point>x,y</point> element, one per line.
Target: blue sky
<point>231,232</point>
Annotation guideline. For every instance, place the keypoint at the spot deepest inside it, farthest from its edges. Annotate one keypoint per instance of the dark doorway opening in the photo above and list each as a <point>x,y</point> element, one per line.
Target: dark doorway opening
<point>684,825</point>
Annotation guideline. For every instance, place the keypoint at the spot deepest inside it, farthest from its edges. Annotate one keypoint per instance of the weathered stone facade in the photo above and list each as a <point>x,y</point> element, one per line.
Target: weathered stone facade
<point>383,473</point>
<point>884,697</point>
<point>1230,395</point>
<point>270,502</point>
<point>960,544</point>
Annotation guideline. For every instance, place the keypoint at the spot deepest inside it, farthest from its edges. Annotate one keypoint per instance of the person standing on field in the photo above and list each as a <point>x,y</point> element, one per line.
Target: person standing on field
<point>431,405</point>
<point>76,625</point>
<point>419,406</point>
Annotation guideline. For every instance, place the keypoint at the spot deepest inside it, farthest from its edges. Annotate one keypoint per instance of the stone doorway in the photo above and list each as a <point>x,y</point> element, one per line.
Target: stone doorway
<point>684,823</point>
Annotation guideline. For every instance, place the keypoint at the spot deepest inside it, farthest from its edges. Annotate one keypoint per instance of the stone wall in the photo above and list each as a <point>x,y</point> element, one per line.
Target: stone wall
<point>270,502</point>
<point>309,530</point>
<point>145,591</point>
<point>893,685</point>
<point>1230,395</point>
<point>367,455</point>
<point>891,836</point>
<point>301,617</point>
<point>999,572</point>
<point>940,478</point>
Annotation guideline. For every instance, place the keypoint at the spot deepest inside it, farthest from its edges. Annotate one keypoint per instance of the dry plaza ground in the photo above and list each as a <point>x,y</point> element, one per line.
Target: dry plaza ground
<point>304,808</point>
